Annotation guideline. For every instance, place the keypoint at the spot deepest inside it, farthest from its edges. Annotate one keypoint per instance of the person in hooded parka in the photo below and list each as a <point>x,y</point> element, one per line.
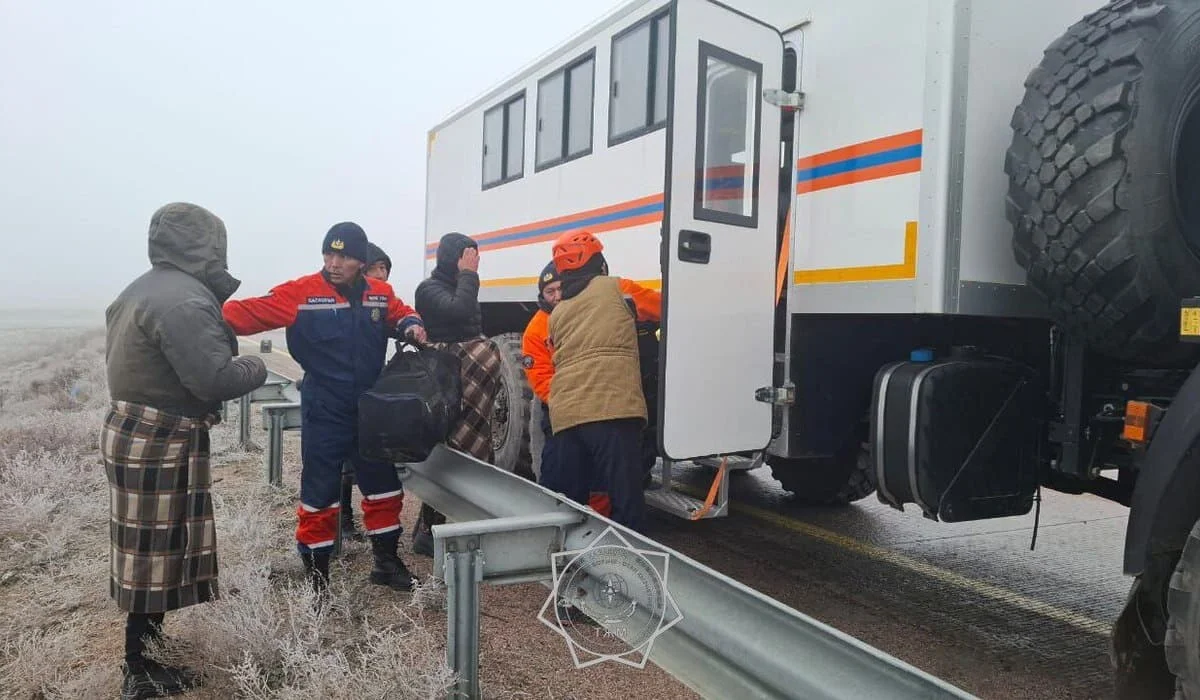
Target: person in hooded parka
<point>171,362</point>
<point>449,302</point>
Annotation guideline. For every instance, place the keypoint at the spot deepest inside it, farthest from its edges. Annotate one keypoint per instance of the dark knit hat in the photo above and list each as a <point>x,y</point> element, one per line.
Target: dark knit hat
<point>349,239</point>
<point>375,254</point>
<point>548,276</point>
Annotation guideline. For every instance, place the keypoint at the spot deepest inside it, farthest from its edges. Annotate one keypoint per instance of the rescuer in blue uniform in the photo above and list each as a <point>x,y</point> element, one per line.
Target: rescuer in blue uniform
<point>338,323</point>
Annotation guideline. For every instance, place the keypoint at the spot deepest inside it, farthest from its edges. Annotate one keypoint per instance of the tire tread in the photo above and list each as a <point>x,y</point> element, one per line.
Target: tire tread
<point>1067,173</point>
<point>1181,644</point>
<point>511,354</point>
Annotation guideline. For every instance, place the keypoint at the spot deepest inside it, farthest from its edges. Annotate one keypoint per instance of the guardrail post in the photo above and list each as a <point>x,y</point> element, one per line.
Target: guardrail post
<point>244,421</point>
<point>464,572</point>
<point>274,452</point>
<point>276,418</point>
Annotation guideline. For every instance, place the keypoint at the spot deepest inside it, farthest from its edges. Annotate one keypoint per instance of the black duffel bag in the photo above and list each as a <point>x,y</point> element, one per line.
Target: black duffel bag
<point>411,407</point>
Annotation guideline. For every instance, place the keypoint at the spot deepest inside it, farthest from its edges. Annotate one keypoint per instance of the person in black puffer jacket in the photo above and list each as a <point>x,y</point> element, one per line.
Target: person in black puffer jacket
<point>451,294</point>
<point>449,304</point>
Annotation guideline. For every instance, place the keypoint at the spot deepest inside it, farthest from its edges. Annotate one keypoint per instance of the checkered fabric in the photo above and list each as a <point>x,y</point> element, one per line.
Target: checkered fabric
<point>480,361</point>
<point>163,536</point>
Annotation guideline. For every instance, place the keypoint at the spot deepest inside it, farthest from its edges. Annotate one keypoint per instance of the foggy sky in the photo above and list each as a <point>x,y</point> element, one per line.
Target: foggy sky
<point>282,118</point>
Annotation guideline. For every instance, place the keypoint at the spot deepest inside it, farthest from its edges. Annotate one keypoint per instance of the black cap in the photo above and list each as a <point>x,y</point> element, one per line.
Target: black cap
<point>349,239</point>
<point>548,276</point>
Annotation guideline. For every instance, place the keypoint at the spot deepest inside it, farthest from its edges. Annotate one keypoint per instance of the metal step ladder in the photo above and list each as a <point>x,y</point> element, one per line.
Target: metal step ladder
<point>663,495</point>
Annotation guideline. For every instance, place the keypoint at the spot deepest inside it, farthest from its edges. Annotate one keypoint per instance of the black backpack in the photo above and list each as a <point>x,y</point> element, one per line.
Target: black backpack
<point>412,406</point>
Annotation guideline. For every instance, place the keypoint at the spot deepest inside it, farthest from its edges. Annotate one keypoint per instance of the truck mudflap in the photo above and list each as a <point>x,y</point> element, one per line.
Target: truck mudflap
<point>1165,505</point>
<point>957,436</point>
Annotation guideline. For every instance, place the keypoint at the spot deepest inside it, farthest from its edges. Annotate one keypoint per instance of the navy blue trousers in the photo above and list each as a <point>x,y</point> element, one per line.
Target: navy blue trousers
<point>600,456</point>
<point>329,437</point>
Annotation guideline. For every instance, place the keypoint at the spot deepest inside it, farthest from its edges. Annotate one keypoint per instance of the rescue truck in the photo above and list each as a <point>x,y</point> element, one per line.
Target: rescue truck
<point>942,251</point>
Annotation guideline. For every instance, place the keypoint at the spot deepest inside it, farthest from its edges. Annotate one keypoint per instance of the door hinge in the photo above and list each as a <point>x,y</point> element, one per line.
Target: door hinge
<point>787,101</point>
<point>776,395</point>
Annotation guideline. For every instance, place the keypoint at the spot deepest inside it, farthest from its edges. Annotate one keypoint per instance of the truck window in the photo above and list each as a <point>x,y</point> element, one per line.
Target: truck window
<point>504,142</point>
<point>727,138</point>
<point>638,93</point>
<point>564,112</point>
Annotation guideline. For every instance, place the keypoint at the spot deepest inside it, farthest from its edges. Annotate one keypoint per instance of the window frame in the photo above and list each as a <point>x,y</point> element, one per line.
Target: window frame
<point>565,71</point>
<point>699,211</point>
<point>503,105</point>
<point>654,53</point>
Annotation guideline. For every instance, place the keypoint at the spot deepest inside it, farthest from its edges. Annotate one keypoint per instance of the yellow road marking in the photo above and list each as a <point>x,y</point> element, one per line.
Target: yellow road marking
<point>865,549</point>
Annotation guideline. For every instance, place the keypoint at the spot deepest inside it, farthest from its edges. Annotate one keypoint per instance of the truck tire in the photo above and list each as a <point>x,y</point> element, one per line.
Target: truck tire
<point>1181,645</point>
<point>838,480</point>
<point>1103,169</point>
<point>510,418</point>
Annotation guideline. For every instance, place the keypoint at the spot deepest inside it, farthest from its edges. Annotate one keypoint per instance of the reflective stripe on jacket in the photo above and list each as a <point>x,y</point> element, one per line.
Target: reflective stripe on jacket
<point>340,343</point>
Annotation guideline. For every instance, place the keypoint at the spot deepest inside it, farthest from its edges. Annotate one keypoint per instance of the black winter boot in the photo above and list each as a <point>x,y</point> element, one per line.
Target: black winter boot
<point>149,679</point>
<point>389,570</point>
<point>316,565</point>
<point>144,677</point>
<point>347,513</point>
<point>423,535</point>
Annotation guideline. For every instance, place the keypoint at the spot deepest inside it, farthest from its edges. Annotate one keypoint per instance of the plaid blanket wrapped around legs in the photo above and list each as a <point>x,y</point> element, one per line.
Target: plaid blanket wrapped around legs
<point>163,535</point>
<point>480,360</point>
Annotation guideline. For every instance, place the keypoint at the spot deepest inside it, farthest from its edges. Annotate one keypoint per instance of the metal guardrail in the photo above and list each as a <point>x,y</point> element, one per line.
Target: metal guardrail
<point>276,418</point>
<point>276,388</point>
<point>731,641</point>
<point>281,412</point>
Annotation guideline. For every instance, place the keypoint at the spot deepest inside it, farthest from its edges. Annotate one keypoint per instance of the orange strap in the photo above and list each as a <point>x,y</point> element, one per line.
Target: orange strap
<point>712,492</point>
<point>785,247</point>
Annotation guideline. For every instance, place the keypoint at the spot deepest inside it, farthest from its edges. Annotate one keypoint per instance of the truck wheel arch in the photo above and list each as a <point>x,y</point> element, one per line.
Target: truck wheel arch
<point>1164,506</point>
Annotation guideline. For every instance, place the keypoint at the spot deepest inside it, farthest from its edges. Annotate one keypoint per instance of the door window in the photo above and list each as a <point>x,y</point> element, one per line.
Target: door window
<point>727,138</point>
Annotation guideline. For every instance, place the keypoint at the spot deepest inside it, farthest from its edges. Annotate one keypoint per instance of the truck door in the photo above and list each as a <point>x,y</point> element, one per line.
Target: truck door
<point>719,232</point>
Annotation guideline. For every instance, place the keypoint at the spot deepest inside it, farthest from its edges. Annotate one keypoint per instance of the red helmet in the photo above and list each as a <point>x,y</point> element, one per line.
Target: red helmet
<point>573,249</point>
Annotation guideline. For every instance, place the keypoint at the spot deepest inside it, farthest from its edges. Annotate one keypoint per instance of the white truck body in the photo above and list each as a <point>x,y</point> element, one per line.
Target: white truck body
<point>897,193</point>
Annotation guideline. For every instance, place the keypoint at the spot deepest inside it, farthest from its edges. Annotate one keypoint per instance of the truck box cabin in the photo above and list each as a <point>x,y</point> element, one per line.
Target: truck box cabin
<point>883,191</point>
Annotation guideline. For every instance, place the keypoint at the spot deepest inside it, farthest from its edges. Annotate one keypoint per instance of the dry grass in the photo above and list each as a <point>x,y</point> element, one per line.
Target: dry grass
<point>62,636</point>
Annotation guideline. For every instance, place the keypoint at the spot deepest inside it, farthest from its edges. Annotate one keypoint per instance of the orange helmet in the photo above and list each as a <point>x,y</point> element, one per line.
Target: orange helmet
<point>573,249</point>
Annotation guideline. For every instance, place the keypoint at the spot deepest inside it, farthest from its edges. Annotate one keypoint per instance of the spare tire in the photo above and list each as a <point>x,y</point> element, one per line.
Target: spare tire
<point>1104,176</point>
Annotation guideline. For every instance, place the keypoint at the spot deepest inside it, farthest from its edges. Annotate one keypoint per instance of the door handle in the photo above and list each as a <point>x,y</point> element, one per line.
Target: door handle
<point>694,247</point>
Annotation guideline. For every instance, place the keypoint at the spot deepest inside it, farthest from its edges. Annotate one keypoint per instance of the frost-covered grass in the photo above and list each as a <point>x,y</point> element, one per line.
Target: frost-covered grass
<point>60,634</point>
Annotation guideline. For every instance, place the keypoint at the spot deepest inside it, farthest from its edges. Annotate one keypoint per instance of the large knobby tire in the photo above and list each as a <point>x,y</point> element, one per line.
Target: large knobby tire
<point>838,480</point>
<point>1182,641</point>
<point>510,418</point>
<point>1104,176</point>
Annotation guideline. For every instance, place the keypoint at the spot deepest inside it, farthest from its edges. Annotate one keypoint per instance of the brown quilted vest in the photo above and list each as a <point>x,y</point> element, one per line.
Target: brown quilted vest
<point>597,375</point>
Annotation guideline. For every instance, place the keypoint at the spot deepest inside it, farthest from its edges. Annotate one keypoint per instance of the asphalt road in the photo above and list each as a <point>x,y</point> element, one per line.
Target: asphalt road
<point>968,602</point>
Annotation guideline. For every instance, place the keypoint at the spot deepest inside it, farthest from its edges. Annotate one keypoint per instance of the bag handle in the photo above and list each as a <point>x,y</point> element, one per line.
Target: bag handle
<point>406,342</point>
